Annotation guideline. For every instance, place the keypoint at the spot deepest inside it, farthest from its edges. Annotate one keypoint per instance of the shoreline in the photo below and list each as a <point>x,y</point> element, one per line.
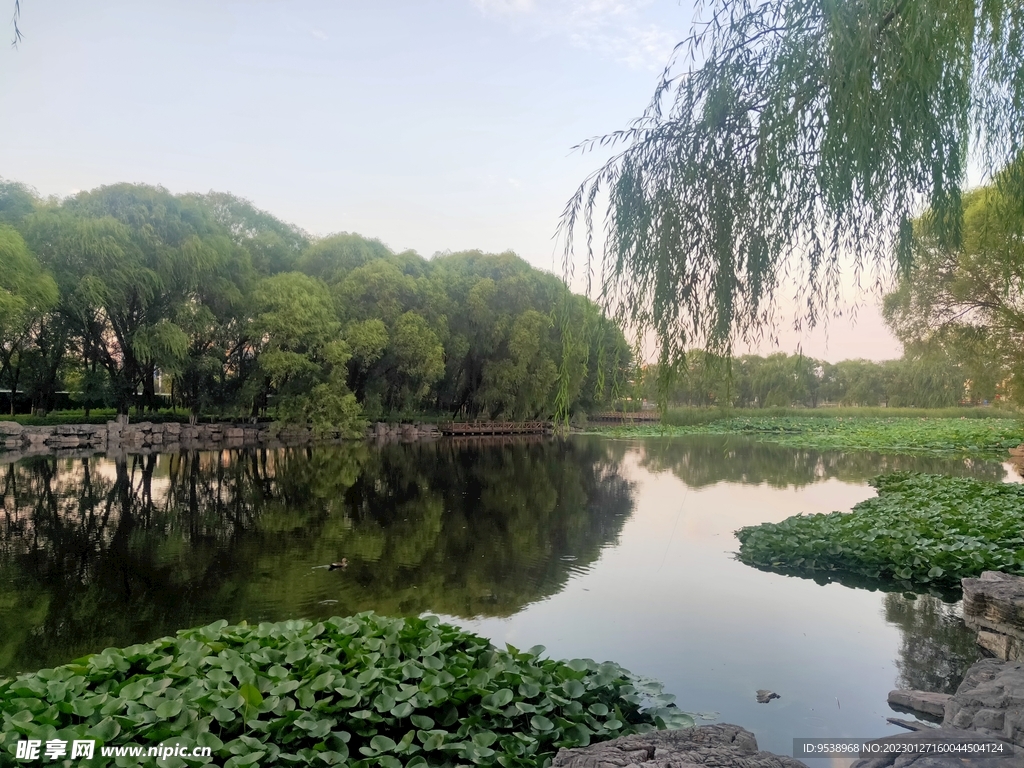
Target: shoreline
<point>117,438</point>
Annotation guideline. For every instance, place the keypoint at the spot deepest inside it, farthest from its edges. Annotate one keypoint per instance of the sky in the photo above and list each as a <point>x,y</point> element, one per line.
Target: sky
<point>433,125</point>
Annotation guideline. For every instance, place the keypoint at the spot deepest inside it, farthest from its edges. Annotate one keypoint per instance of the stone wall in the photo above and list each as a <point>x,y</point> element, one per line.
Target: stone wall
<point>117,437</point>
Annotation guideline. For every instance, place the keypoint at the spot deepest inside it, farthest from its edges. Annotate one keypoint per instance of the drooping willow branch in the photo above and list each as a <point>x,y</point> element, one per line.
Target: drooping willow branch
<point>785,137</point>
<point>14,21</point>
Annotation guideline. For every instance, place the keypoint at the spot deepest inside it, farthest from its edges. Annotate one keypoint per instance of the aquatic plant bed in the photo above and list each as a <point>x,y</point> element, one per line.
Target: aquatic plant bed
<point>988,438</point>
<point>920,530</point>
<point>360,691</point>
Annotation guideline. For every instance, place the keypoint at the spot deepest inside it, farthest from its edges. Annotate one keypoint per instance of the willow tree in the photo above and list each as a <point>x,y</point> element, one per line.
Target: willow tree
<point>787,138</point>
<point>967,303</point>
<point>27,293</point>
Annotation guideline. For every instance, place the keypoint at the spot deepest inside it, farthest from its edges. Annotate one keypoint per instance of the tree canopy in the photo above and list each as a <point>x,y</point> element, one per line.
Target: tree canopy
<point>927,376</point>
<point>967,301</point>
<point>786,136</point>
<point>128,294</point>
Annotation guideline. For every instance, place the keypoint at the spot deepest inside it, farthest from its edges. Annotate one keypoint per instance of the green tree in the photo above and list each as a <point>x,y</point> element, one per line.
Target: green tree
<point>802,133</point>
<point>301,358</point>
<point>16,202</point>
<point>27,294</point>
<point>861,382</point>
<point>127,259</point>
<point>273,245</point>
<point>966,303</point>
<point>331,258</point>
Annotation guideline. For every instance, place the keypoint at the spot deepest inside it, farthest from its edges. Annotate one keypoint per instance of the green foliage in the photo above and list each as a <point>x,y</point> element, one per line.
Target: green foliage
<point>16,202</point>
<point>685,416</point>
<point>362,691</point>
<point>786,135</point>
<point>27,294</point>
<point>920,530</point>
<point>234,310</point>
<point>964,303</point>
<point>925,377</point>
<point>987,437</point>
<point>301,357</point>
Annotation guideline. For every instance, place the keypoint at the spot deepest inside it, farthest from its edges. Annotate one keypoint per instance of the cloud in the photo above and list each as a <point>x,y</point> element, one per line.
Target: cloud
<point>318,34</point>
<point>619,29</point>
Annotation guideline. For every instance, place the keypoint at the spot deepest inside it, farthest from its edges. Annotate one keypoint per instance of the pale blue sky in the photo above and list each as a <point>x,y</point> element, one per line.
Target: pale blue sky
<point>434,125</point>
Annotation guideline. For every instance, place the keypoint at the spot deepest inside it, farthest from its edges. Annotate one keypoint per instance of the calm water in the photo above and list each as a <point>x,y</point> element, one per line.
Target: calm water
<point>593,547</point>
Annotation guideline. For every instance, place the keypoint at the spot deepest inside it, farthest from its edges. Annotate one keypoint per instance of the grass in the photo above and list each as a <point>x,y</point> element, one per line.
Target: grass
<point>363,691</point>
<point>939,436</point>
<point>921,531</point>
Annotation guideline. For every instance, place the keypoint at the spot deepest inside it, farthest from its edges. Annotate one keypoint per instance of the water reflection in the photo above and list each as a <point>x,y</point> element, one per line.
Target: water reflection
<point>935,648</point>
<point>702,460</point>
<point>97,553</point>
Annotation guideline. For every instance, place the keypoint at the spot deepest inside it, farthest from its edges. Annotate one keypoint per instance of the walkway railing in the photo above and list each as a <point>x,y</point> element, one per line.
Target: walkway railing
<point>495,427</point>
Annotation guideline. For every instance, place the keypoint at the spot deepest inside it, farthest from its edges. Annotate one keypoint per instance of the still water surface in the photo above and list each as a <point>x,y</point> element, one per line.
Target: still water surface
<point>593,547</point>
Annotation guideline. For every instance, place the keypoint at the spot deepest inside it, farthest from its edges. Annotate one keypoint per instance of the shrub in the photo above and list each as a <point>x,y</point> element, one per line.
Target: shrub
<point>360,691</point>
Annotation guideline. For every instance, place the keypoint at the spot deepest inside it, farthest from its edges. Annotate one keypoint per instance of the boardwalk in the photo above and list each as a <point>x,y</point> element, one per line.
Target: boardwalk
<point>495,427</point>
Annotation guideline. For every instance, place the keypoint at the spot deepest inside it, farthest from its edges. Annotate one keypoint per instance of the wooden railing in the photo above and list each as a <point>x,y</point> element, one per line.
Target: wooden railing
<point>494,427</point>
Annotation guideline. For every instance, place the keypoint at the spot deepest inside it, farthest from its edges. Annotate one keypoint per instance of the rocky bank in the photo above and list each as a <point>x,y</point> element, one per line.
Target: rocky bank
<point>120,437</point>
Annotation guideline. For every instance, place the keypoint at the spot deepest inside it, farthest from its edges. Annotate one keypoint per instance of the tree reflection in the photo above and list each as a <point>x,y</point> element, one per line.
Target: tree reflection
<point>702,460</point>
<point>95,553</point>
<point>936,648</point>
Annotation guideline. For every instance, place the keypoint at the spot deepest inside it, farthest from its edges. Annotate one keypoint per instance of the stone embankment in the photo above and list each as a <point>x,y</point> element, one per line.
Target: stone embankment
<point>119,437</point>
<point>989,702</point>
<point>720,745</point>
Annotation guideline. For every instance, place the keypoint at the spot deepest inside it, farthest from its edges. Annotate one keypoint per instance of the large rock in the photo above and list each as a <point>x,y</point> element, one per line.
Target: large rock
<point>990,701</point>
<point>995,602</point>
<point>10,428</point>
<point>931,705</point>
<point>721,745</point>
<point>938,748</point>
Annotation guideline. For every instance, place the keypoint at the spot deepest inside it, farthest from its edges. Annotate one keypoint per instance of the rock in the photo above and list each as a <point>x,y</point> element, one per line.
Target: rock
<point>720,745</point>
<point>990,701</point>
<point>764,696</point>
<point>995,602</point>
<point>933,705</point>
<point>1012,756</point>
<point>910,725</point>
<point>1001,646</point>
<point>10,428</point>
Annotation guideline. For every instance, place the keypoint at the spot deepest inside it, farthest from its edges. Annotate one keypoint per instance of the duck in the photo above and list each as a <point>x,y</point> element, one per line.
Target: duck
<point>335,566</point>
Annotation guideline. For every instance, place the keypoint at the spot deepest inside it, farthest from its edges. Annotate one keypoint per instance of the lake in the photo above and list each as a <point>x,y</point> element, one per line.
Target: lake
<point>591,546</point>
